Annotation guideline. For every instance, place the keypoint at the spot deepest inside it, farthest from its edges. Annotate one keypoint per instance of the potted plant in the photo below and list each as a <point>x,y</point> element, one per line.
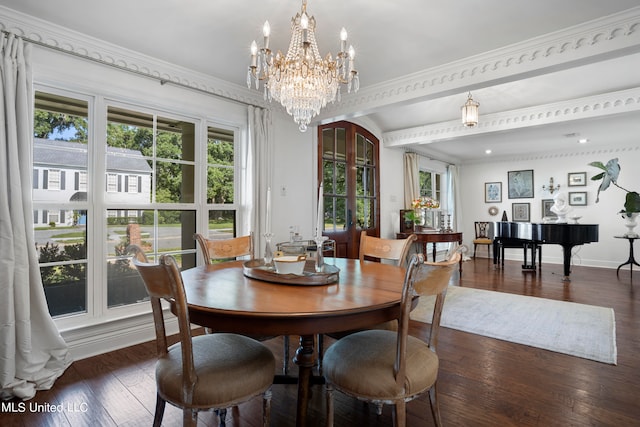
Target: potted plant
<point>608,176</point>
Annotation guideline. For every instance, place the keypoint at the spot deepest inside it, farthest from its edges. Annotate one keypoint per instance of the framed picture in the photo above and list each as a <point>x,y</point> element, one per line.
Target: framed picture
<point>520,212</point>
<point>577,179</point>
<point>492,192</point>
<point>520,184</point>
<point>546,209</point>
<point>578,198</point>
<point>406,225</point>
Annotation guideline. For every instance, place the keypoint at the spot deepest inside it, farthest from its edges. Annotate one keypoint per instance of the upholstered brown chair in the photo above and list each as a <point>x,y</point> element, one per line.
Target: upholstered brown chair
<point>482,237</point>
<point>211,371</point>
<point>387,367</point>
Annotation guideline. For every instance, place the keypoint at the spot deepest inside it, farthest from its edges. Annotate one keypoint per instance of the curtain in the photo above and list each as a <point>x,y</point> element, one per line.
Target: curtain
<point>32,352</point>
<point>454,202</point>
<point>259,173</point>
<point>411,179</point>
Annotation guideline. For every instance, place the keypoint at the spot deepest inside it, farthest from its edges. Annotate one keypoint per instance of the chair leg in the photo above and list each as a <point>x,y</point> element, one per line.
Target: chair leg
<point>189,418</point>
<point>266,408</point>
<point>400,414</point>
<point>474,250</point>
<point>320,352</point>
<point>329,397</point>
<point>435,408</point>
<point>160,405</point>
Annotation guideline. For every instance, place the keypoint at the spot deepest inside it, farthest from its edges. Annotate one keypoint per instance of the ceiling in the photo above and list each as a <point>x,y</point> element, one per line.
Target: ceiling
<point>398,43</point>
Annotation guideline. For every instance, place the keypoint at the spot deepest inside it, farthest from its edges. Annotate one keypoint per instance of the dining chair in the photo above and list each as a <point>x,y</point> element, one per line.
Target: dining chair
<point>483,236</point>
<point>225,249</point>
<point>211,371</point>
<point>395,250</point>
<point>387,367</point>
<point>218,250</point>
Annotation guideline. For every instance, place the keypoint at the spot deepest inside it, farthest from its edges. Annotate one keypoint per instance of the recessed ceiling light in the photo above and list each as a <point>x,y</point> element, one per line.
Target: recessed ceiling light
<point>583,140</point>
<point>487,151</point>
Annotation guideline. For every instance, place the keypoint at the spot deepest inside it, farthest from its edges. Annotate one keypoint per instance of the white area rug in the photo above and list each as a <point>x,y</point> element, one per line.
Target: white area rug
<point>565,327</point>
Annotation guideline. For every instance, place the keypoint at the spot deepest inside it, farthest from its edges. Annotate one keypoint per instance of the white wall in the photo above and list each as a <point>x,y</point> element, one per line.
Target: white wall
<point>608,251</point>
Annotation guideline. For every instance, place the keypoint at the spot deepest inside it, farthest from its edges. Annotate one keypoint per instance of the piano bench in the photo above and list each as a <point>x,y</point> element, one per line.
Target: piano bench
<point>532,266</point>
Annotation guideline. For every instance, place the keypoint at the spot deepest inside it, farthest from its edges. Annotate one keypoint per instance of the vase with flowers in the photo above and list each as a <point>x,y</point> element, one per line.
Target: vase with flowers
<point>609,175</point>
<point>420,213</point>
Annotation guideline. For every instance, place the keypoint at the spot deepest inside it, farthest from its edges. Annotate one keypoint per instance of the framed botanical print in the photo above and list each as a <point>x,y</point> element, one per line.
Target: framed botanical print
<point>577,179</point>
<point>492,192</point>
<point>520,184</point>
<point>578,198</point>
<point>521,212</point>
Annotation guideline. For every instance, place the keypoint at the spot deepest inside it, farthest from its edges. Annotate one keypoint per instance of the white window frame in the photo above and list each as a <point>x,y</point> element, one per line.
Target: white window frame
<point>112,182</point>
<point>53,179</point>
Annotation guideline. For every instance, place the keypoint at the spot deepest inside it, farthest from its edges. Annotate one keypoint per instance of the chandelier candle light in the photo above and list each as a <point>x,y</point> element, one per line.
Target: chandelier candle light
<point>302,81</point>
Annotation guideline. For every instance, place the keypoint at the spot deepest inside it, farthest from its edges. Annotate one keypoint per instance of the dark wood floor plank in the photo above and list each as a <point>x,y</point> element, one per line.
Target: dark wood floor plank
<point>482,381</point>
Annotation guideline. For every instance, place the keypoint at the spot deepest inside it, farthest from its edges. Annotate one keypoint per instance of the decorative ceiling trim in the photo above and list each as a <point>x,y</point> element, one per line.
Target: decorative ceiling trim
<point>56,37</point>
<point>594,41</point>
<point>597,153</point>
<point>576,109</point>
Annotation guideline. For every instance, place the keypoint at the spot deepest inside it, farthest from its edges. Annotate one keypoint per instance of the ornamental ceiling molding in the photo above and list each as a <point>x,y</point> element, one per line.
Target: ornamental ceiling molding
<point>606,38</point>
<point>576,109</point>
<point>590,154</point>
<point>62,39</point>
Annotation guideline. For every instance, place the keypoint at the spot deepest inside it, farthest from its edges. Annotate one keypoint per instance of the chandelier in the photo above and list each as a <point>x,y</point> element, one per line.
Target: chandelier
<point>302,81</point>
<point>470,112</point>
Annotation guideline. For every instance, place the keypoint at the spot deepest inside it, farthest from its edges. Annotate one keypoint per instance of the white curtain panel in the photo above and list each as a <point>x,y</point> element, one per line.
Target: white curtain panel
<point>411,179</point>
<point>32,352</point>
<point>260,164</point>
<point>453,196</point>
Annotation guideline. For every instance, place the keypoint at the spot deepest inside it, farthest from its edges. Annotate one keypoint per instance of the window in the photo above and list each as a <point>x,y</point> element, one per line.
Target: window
<point>60,129</point>
<point>112,183</point>
<point>145,177</point>
<point>430,184</point>
<point>131,182</point>
<point>53,179</point>
<point>220,182</point>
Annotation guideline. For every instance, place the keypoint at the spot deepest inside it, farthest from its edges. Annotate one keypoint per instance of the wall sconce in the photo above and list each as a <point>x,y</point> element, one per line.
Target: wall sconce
<point>551,188</point>
<point>470,112</point>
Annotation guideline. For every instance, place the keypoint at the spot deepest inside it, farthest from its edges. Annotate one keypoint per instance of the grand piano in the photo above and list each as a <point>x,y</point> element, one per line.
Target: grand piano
<point>530,235</point>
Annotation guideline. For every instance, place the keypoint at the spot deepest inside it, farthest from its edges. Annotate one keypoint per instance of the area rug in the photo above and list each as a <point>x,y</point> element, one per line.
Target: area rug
<point>580,330</point>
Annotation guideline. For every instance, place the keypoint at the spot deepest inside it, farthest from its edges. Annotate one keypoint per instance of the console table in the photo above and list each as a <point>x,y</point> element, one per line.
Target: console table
<point>434,237</point>
<point>631,261</point>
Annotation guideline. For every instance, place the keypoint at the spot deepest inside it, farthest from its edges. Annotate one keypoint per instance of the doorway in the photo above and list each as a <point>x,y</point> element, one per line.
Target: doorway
<point>348,166</point>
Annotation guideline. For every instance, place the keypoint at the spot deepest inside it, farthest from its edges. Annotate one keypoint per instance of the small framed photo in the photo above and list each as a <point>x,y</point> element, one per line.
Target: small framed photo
<point>521,212</point>
<point>546,209</point>
<point>578,198</point>
<point>520,184</point>
<point>577,179</point>
<point>492,192</point>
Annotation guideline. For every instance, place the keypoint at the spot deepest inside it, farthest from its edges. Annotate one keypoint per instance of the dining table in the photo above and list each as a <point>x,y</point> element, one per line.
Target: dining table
<point>224,298</point>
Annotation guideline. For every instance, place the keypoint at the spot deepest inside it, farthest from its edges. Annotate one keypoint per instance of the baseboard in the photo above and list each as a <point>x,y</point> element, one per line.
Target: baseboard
<point>105,337</point>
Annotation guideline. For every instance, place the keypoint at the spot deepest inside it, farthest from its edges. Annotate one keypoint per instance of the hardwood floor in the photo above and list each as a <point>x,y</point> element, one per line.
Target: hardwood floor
<point>482,381</point>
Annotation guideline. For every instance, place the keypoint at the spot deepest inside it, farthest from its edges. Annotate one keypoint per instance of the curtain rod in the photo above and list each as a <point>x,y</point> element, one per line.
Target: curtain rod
<point>121,68</point>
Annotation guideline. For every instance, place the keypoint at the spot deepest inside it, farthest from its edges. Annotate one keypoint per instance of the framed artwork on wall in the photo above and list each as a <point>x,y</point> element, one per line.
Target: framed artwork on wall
<point>521,212</point>
<point>520,184</point>
<point>546,209</point>
<point>578,198</point>
<point>577,179</point>
<point>492,192</point>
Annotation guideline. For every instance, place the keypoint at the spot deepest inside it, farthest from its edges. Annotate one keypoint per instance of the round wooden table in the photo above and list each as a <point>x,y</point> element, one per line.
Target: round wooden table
<point>221,297</point>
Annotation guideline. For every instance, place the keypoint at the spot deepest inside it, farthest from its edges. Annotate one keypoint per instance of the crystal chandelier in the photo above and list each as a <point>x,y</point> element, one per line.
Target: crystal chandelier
<point>302,81</point>
<point>470,112</point>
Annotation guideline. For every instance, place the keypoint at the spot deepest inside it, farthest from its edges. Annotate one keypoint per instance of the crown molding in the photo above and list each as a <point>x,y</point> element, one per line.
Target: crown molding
<point>56,37</point>
<point>576,109</point>
<point>606,38</point>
